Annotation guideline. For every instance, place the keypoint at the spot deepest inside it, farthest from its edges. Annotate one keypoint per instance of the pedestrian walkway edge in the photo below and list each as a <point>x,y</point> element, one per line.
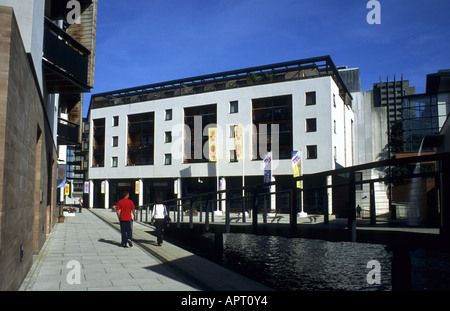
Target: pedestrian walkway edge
<point>186,271</point>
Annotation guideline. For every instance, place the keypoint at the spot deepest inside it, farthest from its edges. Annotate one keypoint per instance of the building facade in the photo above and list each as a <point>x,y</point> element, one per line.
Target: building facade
<point>371,138</point>
<point>425,114</point>
<point>390,94</point>
<point>44,70</point>
<point>155,140</point>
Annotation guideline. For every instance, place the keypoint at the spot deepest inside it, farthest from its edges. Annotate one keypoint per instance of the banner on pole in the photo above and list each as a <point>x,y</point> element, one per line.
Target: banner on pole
<point>212,134</point>
<point>137,185</point>
<point>296,159</point>
<point>238,139</point>
<point>267,165</point>
<point>61,178</point>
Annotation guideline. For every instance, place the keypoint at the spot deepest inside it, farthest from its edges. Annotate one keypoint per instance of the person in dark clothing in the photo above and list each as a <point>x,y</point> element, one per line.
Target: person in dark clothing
<point>158,219</point>
<point>358,211</point>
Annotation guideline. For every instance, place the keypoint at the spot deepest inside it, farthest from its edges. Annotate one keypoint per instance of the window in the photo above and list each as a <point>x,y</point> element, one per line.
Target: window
<point>168,115</point>
<point>114,161</point>
<point>272,114</point>
<point>310,98</point>
<point>202,117</point>
<point>98,143</point>
<point>358,177</point>
<point>311,125</point>
<point>232,131</point>
<point>168,159</point>
<point>334,126</point>
<point>334,100</point>
<point>233,157</point>
<point>140,140</point>
<point>234,106</point>
<point>115,141</point>
<point>116,121</point>
<point>168,137</point>
<point>311,152</point>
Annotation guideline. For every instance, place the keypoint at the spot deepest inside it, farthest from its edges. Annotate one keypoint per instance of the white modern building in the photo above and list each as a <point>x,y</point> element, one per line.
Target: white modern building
<point>154,140</point>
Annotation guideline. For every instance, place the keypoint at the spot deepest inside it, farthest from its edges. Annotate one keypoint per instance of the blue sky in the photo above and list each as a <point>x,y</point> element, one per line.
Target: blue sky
<point>147,41</point>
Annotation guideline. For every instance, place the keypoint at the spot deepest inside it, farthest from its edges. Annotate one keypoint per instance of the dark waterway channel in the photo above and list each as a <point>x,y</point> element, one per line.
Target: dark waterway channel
<point>297,264</point>
<point>306,264</point>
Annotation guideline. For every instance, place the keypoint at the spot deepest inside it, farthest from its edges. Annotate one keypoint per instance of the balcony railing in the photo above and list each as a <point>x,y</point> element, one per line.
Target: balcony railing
<point>68,132</point>
<point>66,59</point>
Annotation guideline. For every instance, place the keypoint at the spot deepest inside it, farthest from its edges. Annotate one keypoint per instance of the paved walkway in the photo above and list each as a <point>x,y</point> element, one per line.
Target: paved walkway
<point>83,253</point>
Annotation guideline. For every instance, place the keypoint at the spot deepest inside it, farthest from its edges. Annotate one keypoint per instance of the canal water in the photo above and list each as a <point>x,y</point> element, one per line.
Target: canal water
<point>296,264</point>
<point>306,264</point>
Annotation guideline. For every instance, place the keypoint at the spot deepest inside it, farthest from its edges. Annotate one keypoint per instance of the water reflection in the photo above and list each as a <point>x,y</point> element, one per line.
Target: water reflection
<point>306,264</point>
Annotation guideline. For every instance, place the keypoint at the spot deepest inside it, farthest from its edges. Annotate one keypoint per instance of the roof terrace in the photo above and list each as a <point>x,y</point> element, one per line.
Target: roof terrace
<point>274,73</point>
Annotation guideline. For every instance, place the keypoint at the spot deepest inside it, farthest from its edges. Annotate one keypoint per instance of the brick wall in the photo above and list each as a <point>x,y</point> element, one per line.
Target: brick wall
<point>27,160</point>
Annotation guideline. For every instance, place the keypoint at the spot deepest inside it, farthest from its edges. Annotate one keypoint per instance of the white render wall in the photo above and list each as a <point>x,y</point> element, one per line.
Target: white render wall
<point>324,138</point>
<point>30,18</point>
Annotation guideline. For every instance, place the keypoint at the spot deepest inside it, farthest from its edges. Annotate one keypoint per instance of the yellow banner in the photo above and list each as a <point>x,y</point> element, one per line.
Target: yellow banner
<point>67,189</point>
<point>137,185</point>
<point>238,139</point>
<point>297,166</point>
<point>212,133</point>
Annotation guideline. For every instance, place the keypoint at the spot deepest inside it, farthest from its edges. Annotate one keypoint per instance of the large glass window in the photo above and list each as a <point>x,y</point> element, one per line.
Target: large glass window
<point>198,119</point>
<point>420,115</point>
<point>272,111</point>
<point>98,143</point>
<point>141,133</point>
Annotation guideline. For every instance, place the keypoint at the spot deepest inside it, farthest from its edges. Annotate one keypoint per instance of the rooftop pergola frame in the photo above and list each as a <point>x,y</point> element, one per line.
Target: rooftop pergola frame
<point>274,73</point>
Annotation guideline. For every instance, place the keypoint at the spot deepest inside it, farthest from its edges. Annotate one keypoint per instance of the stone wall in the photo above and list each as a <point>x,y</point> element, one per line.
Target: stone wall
<point>27,159</point>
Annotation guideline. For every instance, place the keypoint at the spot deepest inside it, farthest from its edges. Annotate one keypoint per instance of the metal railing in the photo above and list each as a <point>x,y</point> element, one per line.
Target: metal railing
<point>201,208</point>
<point>206,208</point>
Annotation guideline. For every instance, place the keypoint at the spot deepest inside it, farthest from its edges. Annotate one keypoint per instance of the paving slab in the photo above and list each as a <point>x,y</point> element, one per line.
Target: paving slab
<point>84,254</point>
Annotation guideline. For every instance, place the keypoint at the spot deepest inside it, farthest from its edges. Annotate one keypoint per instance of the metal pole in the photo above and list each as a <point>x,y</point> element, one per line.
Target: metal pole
<point>326,219</point>
<point>207,216</point>
<point>191,215</point>
<point>227,213</point>
<point>373,219</point>
<point>294,204</point>
<point>351,206</point>
<point>178,212</point>
<point>255,211</point>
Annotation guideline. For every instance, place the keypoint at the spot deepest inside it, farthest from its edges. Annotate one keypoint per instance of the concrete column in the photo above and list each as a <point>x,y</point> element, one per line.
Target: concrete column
<point>351,207</point>
<point>91,194</point>
<point>62,196</point>
<point>273,197</point>
<point>222,205</point>
<point>141,192</point>
<point>330,194</point>
<point>106,194</point>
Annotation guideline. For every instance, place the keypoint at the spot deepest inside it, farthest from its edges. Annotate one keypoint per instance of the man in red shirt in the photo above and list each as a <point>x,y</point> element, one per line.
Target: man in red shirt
<point>124,209</point>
